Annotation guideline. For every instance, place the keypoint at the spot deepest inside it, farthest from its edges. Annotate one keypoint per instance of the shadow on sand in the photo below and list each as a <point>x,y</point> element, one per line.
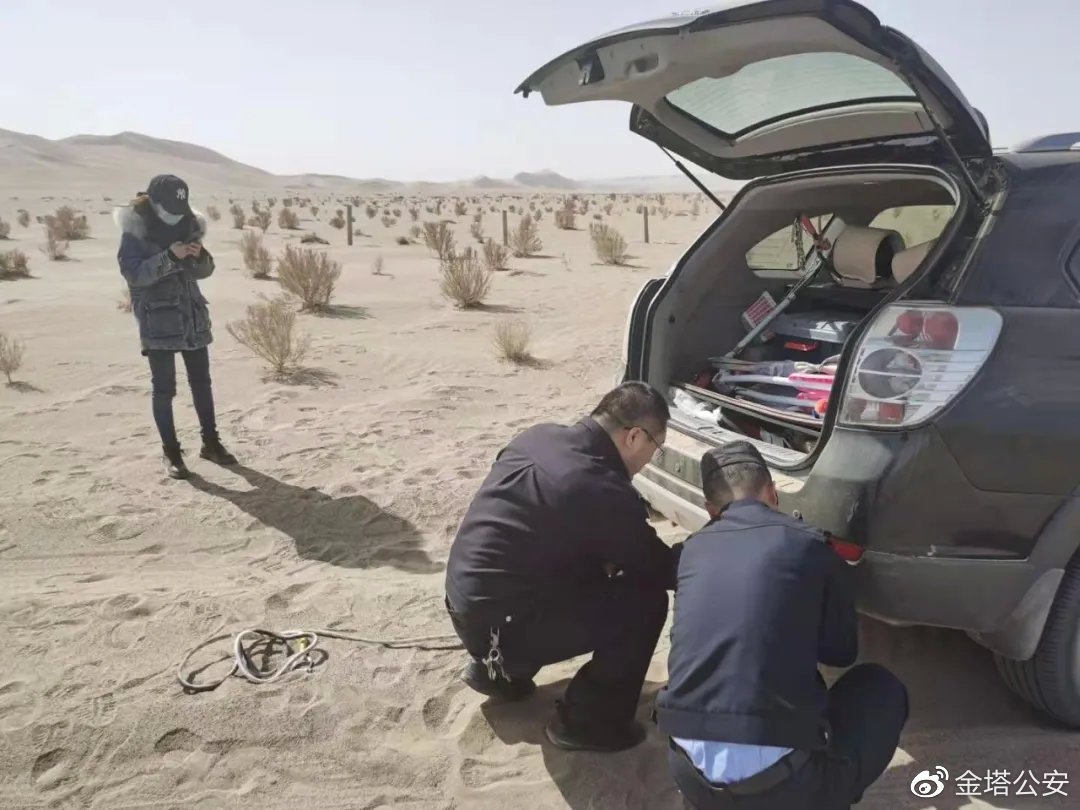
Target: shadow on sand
<point>351,532</point>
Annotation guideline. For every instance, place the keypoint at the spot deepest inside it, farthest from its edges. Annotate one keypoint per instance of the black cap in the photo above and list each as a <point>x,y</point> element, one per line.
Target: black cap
<point>170,192</point>
<point>726,455</point>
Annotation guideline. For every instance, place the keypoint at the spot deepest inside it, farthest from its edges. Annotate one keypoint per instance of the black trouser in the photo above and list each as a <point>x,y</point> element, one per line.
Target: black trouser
<point>163,380</point>
<point>618,622</point>
<point>868,707</point>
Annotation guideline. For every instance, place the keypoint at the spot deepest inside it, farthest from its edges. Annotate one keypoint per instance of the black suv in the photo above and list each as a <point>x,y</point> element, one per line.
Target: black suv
<point>886,308</point>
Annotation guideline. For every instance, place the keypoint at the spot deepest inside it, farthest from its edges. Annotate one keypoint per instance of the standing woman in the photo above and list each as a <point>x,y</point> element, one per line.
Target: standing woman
<point>162,258</point>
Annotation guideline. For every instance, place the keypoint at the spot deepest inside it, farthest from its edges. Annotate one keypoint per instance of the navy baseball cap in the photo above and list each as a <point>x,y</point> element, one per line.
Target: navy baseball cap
<point>732,453</point>
<point>170,192</point>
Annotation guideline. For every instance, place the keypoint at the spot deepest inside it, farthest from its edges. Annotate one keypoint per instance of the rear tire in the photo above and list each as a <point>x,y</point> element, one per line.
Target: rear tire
<point>1050,679</point>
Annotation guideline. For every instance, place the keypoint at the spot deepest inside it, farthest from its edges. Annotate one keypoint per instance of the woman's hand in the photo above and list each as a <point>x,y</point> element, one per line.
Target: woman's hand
<point>179,250</point>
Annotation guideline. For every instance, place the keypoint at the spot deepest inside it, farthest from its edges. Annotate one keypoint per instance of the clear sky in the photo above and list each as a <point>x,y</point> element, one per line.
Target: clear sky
<point>423,89</point>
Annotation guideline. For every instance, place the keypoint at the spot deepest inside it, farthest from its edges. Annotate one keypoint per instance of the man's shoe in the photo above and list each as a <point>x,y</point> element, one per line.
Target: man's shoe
<point>213,451</point>
<point>603,738</point>
<point>174,460</point>
<point>475,675</point>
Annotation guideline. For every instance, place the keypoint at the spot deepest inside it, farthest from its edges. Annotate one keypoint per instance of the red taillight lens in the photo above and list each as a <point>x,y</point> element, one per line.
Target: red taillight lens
<point>913,360</point>
<point>851,552</point>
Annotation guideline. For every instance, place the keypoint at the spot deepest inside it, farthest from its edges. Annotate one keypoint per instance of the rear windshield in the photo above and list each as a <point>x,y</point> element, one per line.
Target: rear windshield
<point>777,88</point>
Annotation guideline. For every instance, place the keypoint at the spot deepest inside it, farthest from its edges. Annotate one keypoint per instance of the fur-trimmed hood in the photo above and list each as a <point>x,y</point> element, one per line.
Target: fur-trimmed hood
<point>128,220</point>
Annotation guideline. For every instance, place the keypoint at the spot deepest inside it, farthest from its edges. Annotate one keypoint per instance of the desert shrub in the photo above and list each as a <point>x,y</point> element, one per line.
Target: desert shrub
<point>695,209</point>
<point>414,214</point>
<point>55,247</point>
<point>607,209</point>
<point>524,239</point>
<point>512,340</point>
<point>416,232</point>
<point>213,213</point>
<point>338,220</point>
<point>495,255</point>
<point>237,216</point>
<point>314,211</point>
<point>388,222</point>
<point>377,265</point>
<point>263,219</point>
<point>11,355</point>
<point>256,257</point>
<point>67,225</point>
<point>313,239</point>
<point>287,202</point>
<point>371,211</point>
<point>14,264</point>
<point>639,209</point>
<point>5,229</point>
<point>512,209</point>
<point>565,218</point>
<point>494,208</point>
<point>460,209</point>
<point>465,281</point>
<point>608,243</point>
<point>123,302</point>
<point>288,220</point>
<point>403,240</point>
<point>539,216</point>
<point>598,217</point>
<point>477,231</point>
<point>269,330</point>
<point>397,213</point>
<point>24,218</point>
<point>308,275</point>
<point>439,239</point>
<point>430,209</point>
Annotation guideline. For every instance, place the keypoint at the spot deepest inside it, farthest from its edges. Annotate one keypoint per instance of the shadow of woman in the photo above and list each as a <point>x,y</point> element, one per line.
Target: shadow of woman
<point>351,532</point>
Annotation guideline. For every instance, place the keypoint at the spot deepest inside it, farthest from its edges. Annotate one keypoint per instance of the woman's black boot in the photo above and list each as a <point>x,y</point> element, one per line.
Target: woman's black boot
<point>174,460</point>
<point>213,450</point>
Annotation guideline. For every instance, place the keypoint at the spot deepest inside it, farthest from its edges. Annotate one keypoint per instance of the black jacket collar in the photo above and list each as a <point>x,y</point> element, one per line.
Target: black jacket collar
<point>600,442</point>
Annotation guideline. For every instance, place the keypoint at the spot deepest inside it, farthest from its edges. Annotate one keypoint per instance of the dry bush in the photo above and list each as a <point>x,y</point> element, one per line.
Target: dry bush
<point>388,222</point>
<point>439,239</point>
<point>287,202</point>
<point>539,216</point>
<point>598,217</point>
<point>14,264</point>
<point>269,330</point>
<point>67,225</point>
<point>288,219</point>
<point>371,211</point>
<point>377,266</point>
<point>338,220</point>
<point>313,238</point>
<point>695,209</point>
<point>512,341</point>
<point>477,230</point>
<point>237,216</point>
<point>495,255</point>
<point>566,219</point>
<point>257,258</point>
<point>403,240</point>
<point>524,239</point>
<point>308,275</point>
<point>460,209</point>
<point>24,218</point>
<point>608,243</point>
<point>414,214</point>
<point>123,303</point>
<point>263,219</point>
<point>55,247</point>
<point>11,355</point>
<point>5,229</point>
<point>607,209</point>
<point>416,232</point>
<point>639,209</point>
<point>213,213</point>
<point>465,281</point>
<point>314,211</point>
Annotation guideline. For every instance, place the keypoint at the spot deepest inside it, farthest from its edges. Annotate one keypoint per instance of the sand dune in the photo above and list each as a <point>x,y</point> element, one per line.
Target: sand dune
<point>353,478</point>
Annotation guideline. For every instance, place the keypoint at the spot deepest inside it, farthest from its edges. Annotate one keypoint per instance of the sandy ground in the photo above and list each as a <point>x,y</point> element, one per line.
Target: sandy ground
<point>352,480</point>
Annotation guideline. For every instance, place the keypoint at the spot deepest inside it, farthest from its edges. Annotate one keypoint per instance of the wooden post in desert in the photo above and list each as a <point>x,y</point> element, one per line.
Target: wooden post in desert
<point>348,223</point>
<point>645,216</point>
<point>506,231</point>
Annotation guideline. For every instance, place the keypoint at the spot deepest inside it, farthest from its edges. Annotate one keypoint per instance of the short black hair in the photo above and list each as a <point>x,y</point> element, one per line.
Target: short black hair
<point>631,403</point>
<point>733,471</point>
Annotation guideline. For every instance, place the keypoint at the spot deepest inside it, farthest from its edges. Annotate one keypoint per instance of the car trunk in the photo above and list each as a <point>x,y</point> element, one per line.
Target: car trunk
<point>780,388</point>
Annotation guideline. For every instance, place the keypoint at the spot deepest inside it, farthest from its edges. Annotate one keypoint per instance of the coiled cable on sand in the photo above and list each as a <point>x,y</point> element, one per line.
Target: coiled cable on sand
<point>250,642</point>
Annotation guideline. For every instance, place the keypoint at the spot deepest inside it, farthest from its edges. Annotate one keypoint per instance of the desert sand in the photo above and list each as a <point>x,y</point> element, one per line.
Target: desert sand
<point>353,476</point>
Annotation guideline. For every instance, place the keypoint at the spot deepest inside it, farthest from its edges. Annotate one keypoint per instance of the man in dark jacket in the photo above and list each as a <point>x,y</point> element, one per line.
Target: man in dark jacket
<point>555,558</point>
<point>762,599</point>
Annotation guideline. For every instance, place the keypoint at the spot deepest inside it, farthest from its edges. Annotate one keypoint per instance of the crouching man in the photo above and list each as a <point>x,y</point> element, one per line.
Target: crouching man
<point>555,558</point>
<point>762,599</point>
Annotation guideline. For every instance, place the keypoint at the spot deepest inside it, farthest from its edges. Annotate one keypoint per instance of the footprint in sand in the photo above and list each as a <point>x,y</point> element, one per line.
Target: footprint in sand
<point>19,706</point>
<point>283,600</point>
<point>98,710</point>
<point>52,769</point>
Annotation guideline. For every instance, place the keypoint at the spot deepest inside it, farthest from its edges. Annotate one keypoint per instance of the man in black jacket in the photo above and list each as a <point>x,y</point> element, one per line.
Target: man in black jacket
<point>555,558</point>
<point>762,599</point>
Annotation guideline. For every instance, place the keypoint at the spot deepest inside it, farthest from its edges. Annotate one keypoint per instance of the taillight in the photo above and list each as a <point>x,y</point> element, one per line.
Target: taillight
<point>914,360</point>
<point>849,552</point>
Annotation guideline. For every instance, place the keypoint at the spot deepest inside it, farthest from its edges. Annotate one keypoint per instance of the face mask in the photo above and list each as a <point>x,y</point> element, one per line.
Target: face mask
<point>165,216</point>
